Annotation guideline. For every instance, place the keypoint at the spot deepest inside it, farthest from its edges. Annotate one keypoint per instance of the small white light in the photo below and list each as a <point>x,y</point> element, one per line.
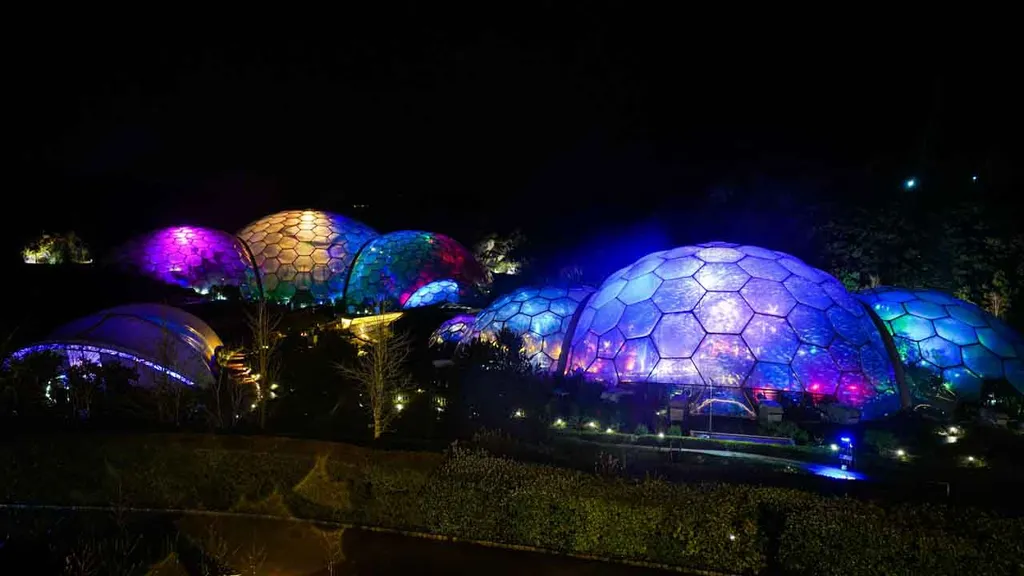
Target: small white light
<point>661,435</point>
<point>954,430</point>
<point>833,447</point>
<point>951,439</point>
<point>974,178</point>
<point>592,424</point>
<point>609,431</point>
<point>399,406</point>
<point>970,458</point>
<point>732,537</point>
<point>901,452</point>
<point>910,183</point>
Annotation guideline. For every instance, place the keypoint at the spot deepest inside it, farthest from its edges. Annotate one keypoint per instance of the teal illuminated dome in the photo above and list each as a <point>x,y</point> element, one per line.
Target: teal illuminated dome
<point>541,315</point>
<point>728,325</point>
<point>409,269</point>
<point>948,337</point>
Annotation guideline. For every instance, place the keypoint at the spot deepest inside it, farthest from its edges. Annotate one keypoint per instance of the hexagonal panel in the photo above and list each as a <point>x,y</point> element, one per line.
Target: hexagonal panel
<point>678,295</point>
<point>723,360</point>
<point>720,254</point>
<point>811,325</point>
<point>996,343</point>
<point>771,339</point>
<point>807,292</point>
<point>924,309</point>
<point>636,360</point>
<point>912,328</point>
<point>678,268</point>
<point>940,352</point>
<point>678,335</point>
<point>769,376</point>
<point>816,370</point>
<point>721,276</point>
<point>639,288</point>
<point>764,269</point>
<point>768,297</point>
<point>610,343</point>
<point>723,312</point>
<point>676,371</point>
<point>639,319</point>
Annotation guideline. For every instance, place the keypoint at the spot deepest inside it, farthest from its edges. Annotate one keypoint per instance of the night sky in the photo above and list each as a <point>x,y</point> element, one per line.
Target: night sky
<point>581,125</point>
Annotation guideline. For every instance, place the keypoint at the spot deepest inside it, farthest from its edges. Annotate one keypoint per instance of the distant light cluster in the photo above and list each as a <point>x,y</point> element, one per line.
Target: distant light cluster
<point>949,337</point>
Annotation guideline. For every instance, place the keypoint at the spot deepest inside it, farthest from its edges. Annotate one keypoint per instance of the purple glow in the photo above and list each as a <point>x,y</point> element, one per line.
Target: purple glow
<point>453,329</point>
<point>728,316</point>
<point>188,256</point>
<point>72,350</point>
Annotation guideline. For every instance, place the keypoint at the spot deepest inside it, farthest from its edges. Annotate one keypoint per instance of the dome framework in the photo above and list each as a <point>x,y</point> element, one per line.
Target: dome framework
<point>729,325</point>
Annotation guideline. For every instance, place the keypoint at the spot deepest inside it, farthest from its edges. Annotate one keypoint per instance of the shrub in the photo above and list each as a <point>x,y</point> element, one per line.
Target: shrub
<point>881,441</point>
<point>674,430</point>
<point>641,430</point>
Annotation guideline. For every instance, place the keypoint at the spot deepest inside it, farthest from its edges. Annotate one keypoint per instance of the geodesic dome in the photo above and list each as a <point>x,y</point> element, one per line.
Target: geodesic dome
<point>408,269</point>
<point>541,315</point>
<point>949,337</point>
<point>452,330</point>
<point>726,323</point>
<point>188,256</point>
<point>154,339</point>
<point>304,254</point>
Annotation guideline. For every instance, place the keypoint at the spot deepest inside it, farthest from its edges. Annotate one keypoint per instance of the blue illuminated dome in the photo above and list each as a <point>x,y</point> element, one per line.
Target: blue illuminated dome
<point>949,337</point>
<point>452,330</point>
<point>541,315</point>
<point>730,324</point>
<point>154,339</point>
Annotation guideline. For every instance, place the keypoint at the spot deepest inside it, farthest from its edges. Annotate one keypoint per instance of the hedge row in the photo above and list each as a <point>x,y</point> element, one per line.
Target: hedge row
<point>731,528</point>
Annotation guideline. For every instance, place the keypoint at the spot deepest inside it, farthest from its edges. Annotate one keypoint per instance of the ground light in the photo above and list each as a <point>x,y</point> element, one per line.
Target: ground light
<point>901,452</point>
<point>834,447</point>
<point>609,431</point>
<point>661,435</point>
<point>592,424</point>
<point>559,423</point>
<point>910,184</point>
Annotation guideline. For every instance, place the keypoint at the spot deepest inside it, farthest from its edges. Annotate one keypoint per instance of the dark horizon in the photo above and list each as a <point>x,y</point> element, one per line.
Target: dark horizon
<point>572,134</point>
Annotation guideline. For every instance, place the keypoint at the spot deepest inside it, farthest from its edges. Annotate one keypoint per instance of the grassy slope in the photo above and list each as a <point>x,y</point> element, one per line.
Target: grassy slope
<point>726,527</point>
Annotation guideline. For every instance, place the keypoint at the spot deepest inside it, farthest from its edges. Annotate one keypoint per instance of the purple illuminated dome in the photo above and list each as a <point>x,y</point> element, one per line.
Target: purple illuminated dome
<point>188,256</point>
<point>452,330</point>
<point>730,325</point>
<point>950,338</point>
<point>157,341</point>
<point>305,254</point>
<point>540,315</point>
